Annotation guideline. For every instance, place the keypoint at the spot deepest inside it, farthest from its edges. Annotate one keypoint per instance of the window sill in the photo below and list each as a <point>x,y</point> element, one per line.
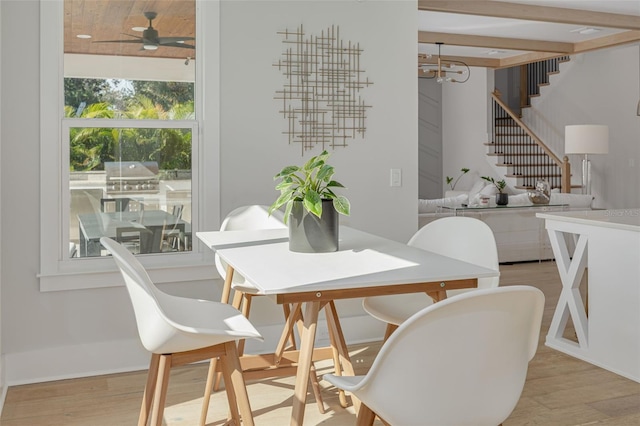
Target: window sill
<point>112,278</point>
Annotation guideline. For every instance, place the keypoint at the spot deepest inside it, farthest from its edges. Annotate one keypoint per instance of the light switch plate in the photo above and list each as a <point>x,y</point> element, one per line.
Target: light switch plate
<point>396,177</point>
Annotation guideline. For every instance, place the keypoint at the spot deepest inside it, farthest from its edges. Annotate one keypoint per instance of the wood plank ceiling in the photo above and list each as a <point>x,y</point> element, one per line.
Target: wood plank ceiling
<point>115,20</point>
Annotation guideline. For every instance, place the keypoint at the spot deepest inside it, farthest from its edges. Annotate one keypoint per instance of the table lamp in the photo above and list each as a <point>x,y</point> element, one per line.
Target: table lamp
<point>586,139</point>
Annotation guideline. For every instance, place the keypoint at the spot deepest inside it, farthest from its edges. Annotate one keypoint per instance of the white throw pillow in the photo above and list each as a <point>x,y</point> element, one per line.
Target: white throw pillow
<point>519,200</point>
<point>489,190</point>
<point>430,206</point>
<point>474,192</point>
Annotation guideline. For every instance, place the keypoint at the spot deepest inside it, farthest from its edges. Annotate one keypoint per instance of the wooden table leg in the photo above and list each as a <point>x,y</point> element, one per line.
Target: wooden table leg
<point>313,375</point>
<point>437,296</point>
<point>304,361</point>
<point>287,331</point>
<point>333,323</point>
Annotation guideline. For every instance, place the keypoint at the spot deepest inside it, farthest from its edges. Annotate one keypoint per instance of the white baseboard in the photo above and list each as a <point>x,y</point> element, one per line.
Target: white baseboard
<point>119,356</point>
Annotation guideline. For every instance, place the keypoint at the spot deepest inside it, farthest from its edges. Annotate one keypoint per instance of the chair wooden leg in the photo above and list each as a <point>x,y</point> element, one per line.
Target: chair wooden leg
<point>236,303</point>
<point>149,389</point>
<point>365,416</point>
<point>233,416</point>
<point>162,384</point>
<point>211,375</point>
<point>234,383</point>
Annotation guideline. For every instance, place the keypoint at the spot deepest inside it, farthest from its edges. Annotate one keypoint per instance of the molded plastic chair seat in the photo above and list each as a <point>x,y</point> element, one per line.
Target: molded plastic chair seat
<point>179,330</point>
<point>461,361</point>
<point>463,238</point>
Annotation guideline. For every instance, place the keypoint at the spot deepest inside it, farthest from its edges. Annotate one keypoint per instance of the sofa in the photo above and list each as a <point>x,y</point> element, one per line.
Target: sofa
<point>520,235</point>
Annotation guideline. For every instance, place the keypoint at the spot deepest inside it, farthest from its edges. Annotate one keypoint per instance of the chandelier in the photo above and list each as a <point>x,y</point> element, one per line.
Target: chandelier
<point>445,70</point>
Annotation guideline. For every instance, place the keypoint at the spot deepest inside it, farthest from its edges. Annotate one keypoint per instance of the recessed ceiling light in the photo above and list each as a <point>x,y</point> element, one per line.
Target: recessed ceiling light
<point>586,30</point>
<point>83,36</point>
<point>139,29</point>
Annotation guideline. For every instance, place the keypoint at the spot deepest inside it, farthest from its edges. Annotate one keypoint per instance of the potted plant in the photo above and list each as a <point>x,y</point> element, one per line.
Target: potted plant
<point>311,206</point>
<point>464,171</point>
<point>502,198</point>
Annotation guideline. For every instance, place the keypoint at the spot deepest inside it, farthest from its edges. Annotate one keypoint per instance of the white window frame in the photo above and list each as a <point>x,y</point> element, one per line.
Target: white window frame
<point>57,270</point>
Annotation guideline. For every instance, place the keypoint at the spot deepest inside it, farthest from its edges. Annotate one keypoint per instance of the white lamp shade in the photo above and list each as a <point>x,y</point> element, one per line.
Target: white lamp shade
<point>586,139</point>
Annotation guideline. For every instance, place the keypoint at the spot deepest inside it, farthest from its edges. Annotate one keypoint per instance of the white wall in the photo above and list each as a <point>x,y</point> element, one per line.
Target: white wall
<point>251,131</point>
<point>464,127</point>
<point>71,333</point>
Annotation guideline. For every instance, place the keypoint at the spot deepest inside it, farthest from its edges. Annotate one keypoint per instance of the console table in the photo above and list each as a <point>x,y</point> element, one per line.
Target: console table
<point>607,244</point>
<point>464,210</point>
<point>519,234</point>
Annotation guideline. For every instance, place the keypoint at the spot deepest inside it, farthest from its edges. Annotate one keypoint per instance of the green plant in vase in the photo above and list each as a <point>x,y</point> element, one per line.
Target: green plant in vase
<point>502,198</point>
<point>310,184</point>
<point>311,205</point>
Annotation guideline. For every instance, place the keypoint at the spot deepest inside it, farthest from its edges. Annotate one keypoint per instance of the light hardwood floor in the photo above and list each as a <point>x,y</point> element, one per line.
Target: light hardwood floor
<point>560,390</point>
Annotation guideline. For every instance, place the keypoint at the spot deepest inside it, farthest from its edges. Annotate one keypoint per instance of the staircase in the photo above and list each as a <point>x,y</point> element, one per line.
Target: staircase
<point>536,75</point>
<point>524,157</point>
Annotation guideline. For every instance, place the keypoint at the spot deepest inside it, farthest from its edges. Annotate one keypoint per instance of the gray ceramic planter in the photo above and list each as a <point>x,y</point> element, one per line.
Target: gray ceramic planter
<point>502,198</point>
<point>310,234</point>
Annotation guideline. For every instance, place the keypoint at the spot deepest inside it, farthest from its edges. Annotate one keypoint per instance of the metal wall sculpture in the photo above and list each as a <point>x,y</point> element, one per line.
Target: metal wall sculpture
<point>321,96</point>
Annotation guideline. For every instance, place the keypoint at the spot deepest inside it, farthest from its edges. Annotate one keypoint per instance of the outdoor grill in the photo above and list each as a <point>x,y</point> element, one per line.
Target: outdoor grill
<point>132,177</point>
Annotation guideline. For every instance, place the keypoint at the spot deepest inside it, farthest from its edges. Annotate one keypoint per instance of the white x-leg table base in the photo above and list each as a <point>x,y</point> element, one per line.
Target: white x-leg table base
<point>570,304</point>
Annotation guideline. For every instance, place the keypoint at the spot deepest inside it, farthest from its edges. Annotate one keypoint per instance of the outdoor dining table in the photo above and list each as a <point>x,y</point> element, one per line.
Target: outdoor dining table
<point>364,265</point>
<point>94,226</point>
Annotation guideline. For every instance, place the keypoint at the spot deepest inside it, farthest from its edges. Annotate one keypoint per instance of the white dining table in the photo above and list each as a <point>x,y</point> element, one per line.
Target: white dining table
<point>365,265</point>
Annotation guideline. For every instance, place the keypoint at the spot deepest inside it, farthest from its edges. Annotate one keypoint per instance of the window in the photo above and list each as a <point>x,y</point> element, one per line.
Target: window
<point>121,147</point>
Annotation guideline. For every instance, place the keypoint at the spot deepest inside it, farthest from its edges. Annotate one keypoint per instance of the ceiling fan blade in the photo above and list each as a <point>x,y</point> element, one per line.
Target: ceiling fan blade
<point>118,41</point>
<point>184,45</point>
<point>166,40</point>
<point>138,39</point>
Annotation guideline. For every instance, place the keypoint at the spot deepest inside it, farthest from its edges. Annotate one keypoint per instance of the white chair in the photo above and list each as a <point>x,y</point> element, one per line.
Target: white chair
<point>173,235</point>
<point>177,331</point>
<point>463,238</point>
<point>137,239</point>
<point>460,362</point>
<point>247,218</point>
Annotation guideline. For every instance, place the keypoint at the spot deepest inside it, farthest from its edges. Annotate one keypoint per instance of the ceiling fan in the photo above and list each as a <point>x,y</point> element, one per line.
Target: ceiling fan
<point>150,39</point>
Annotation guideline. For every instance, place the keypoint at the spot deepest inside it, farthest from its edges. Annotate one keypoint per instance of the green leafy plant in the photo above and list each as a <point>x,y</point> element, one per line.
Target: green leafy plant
<point>464,171</point>
<point>310,184</point>
<point>500,184</point>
